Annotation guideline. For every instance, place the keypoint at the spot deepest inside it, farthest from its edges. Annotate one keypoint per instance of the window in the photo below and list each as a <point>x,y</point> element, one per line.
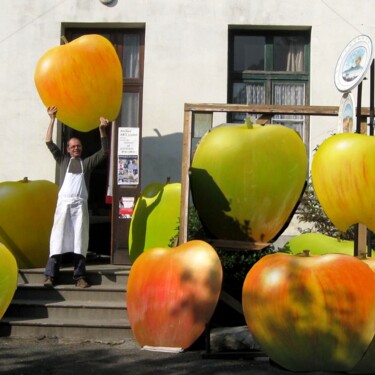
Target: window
<point>270,67</point>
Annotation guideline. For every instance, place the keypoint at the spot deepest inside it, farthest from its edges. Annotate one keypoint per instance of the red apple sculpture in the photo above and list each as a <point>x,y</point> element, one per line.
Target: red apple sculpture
<point>172,294</point>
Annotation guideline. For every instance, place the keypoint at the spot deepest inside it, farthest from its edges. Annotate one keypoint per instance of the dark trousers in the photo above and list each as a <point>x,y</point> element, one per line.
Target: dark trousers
<point>54,264</point>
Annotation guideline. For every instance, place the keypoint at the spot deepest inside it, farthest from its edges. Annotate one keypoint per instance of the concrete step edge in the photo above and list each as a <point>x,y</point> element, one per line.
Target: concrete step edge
<point>92,288</point>
<point>87,323</point>
<point>69,304</point>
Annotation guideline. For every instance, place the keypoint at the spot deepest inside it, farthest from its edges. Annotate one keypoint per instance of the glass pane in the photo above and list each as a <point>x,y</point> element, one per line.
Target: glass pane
<point>202,123</point>
<point>288,53</point>
<point>249,52</point>
<point>130,109</point>
<point>130,58</point>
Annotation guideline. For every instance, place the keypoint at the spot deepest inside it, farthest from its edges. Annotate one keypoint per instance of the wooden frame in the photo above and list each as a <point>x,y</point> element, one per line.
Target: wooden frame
<point>266,111</point>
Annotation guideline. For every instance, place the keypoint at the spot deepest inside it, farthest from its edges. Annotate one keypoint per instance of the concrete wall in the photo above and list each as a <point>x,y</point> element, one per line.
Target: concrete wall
<point>185,61</point>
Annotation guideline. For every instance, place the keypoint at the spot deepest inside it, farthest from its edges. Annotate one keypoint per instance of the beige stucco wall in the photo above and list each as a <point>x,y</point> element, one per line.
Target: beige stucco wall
<point>185,61</point>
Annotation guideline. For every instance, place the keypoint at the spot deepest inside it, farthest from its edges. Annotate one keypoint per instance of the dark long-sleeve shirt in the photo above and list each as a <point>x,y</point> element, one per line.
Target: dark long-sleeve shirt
<point>89,163</point>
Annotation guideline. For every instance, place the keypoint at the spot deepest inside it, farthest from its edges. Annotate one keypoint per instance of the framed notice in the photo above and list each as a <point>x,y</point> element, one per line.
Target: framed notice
<point>128,156</point>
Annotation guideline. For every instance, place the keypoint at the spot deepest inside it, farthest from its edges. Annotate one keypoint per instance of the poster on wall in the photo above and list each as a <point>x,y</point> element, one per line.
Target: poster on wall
<point>128,156</point>
<point>126,207</point>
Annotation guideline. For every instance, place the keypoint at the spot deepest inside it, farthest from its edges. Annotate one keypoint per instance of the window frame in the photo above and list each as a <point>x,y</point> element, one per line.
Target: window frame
<point>267,76</point>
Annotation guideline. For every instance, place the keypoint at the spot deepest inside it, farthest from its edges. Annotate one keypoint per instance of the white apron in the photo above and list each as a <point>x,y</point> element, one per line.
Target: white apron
<point>70,232</point>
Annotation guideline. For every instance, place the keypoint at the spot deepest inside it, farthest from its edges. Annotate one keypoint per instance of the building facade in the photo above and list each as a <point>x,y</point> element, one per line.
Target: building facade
<point>177,52</point>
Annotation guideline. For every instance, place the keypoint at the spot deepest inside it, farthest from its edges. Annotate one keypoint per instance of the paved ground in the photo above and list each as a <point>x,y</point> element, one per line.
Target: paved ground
<point>59,357</point>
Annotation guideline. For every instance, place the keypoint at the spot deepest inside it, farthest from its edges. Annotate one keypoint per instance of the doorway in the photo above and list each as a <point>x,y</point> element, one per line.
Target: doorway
<point>109,230</point>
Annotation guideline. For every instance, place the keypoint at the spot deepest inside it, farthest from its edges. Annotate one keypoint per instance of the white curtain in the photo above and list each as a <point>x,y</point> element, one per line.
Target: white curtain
<point>255,93</point>
<point>295,57</point>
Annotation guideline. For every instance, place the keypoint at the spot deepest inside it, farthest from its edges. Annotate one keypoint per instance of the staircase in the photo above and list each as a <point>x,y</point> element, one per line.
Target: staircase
<point>65,311</point>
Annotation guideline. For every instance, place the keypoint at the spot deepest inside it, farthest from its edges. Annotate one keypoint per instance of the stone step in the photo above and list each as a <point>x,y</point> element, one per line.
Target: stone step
<point>71,293</point>
<point>38,309</point>
<point>96,274</point>
<point>65,311</point>
<point>99,330</point>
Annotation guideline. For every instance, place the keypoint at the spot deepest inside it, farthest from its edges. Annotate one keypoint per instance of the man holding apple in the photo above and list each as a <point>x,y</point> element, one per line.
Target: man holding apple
<point>70,231</point>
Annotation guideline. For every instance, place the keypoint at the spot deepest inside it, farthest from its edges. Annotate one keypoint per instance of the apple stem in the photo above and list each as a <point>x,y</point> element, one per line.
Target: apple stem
<point>63,38</point>
<point>248,122</point>
<point>306,253</point>
<point>25,179</point>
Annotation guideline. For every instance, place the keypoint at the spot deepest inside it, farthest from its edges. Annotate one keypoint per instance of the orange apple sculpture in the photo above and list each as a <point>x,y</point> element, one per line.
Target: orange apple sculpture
<point>313,313</point>
<point>83,79</point>
<point>172,294</point>
<point>8,278</point>
<point>343,175</point>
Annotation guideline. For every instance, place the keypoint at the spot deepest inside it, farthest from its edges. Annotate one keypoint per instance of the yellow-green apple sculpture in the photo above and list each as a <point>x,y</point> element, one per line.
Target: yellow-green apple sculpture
<point>247,179</point>
<point>8,278</point>
<point>26,217</point>
<point>343,176</point>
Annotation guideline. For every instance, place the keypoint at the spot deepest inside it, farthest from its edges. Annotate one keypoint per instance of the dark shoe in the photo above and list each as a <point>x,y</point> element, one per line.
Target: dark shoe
<point>49,282</point>
<point>82,283</point>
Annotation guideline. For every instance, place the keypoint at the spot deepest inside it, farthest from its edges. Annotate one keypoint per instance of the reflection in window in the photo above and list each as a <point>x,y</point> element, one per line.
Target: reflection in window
<point>130,109</point>
<point>130,60</point>
<point>249,52</point>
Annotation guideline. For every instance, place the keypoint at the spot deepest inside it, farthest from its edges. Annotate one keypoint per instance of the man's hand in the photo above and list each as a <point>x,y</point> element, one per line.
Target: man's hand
<point>52,110</point>
<point>103,124</point>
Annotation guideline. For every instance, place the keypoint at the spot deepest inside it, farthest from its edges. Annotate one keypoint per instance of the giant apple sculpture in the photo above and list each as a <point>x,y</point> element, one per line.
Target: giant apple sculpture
<point>83,79</point>
<point>26,217</point>
<point>8,278</point>
<point>312,313</point>
<point>155,219</point>
<point>246,180</point>
<point>172,294</point>
<point>343,176</point>
<point>320,244</point>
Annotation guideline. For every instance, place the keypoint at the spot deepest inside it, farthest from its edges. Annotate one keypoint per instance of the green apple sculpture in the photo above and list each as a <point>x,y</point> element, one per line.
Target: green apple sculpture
<point>320,244</point>
<point>155,219</point>
<point>247,179</point>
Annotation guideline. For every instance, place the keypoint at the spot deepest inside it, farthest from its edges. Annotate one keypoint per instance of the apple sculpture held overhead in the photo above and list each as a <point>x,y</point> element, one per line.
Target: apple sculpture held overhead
<point>26,217</point>
<point>172,294</point>
<point>312,313</point>
<point>343,176</point>
<point>247,179</point>
<point>8,278</point>
<point>83,79</point>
